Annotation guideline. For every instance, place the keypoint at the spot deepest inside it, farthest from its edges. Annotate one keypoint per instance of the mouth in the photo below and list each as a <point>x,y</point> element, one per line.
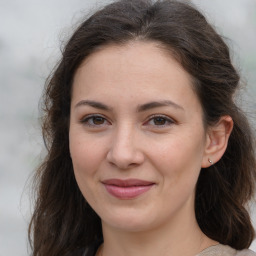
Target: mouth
<point>127,189</point>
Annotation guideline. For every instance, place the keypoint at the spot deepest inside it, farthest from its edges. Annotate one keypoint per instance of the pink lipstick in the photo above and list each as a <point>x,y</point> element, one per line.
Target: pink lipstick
<point>127,189</point>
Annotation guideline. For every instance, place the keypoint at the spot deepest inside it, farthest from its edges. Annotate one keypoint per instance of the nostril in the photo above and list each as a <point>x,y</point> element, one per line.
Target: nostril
<point>125,160</point>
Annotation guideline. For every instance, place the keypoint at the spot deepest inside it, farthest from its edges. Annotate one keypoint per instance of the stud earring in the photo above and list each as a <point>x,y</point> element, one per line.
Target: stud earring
<point>210,161</point>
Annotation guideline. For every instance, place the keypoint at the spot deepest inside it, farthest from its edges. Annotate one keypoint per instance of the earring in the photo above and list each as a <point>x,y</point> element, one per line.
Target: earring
<point>210,161</point>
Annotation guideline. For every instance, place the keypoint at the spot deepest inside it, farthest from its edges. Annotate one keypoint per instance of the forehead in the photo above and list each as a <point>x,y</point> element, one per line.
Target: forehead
<point>143,69</point>
<point>146,58</point>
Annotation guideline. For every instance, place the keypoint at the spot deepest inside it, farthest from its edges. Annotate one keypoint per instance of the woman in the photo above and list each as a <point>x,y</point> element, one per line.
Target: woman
<point>147,151</point>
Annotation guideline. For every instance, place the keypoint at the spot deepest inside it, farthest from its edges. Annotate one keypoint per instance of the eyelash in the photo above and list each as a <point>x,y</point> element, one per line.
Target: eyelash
<point>91,118</point>
<point>164,118</point>
<point>87,119</point>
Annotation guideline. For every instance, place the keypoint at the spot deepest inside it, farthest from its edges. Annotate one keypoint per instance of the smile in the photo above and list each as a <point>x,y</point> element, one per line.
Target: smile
<point>127,189</point>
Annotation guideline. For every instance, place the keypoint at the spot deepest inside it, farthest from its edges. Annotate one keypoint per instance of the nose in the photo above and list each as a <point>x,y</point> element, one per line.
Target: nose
<point>124,152</point>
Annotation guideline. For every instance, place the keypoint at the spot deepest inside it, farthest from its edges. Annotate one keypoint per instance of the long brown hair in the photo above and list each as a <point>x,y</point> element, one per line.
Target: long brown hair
<point>63,221</point>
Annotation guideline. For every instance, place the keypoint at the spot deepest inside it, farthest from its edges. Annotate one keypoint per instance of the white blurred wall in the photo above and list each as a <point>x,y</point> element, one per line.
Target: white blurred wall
<point>30,32</point>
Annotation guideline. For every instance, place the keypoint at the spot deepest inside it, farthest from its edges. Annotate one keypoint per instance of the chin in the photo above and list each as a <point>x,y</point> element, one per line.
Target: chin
<point>130,221</point>
<point>134,226</point>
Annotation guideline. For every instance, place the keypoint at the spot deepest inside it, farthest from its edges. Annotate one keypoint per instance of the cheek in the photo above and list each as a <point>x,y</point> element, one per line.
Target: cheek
<point>86,160</point>
<point>179,159</point>
<point>85,154</point>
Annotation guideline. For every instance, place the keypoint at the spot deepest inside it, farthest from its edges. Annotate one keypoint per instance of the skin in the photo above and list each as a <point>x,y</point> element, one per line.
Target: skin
<point>165,144</point>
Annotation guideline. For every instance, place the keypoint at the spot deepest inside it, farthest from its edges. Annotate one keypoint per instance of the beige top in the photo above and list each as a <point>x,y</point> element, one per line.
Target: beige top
<point>224,250</point>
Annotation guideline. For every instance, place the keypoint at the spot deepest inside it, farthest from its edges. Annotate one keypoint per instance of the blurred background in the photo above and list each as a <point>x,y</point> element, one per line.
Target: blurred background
<point>31,33</point>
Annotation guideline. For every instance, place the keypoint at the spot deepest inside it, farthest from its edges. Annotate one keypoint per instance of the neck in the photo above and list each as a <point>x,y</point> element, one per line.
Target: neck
<point>173,238</point>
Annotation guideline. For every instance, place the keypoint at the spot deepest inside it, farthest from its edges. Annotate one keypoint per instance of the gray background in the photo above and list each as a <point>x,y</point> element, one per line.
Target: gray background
<point>31,32</point>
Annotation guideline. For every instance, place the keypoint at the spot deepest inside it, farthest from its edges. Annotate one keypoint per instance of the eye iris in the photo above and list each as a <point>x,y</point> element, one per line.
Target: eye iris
<point>98,120</point>
<point>159,121</point>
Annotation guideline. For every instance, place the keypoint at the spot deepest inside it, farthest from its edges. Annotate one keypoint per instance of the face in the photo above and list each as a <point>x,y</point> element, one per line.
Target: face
<point>137,138</point>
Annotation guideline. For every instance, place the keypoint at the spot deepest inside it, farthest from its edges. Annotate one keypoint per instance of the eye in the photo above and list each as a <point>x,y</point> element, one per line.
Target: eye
<point>95,121</point>
<point>159,121</point>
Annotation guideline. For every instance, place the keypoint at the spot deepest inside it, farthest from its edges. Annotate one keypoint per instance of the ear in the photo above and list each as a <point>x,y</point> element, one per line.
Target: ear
<point>216,141</point>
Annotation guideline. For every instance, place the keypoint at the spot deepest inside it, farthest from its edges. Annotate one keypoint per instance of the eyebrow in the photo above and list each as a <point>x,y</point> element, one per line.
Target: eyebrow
<point>94,104</point>
<point>156,104</point>
<point>140,108</point>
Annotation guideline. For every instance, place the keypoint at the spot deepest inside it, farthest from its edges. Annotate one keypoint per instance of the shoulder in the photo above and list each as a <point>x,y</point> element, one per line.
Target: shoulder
<point>225,250</point>
<point>245,253</point>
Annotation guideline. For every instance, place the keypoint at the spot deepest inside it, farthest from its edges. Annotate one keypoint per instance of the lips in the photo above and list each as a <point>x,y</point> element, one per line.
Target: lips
<point>127,189</point>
